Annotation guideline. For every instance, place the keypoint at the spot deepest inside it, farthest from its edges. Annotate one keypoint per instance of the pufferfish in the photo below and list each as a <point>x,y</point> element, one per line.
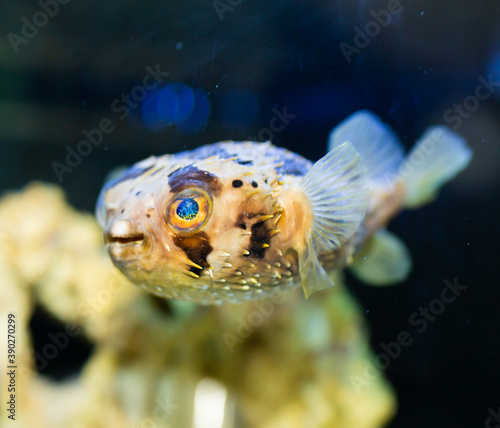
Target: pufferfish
<point>237,221</point>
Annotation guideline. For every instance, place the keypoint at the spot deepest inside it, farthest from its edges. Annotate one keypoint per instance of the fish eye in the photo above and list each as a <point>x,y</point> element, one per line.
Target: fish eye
<point>189,210</point>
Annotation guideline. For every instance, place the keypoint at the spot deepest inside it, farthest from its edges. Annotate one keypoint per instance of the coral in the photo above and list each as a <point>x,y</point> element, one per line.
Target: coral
<point>286,362</point>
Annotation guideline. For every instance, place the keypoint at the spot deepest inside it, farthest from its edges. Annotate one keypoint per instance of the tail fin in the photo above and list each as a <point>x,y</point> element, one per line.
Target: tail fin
<point>436,158</point>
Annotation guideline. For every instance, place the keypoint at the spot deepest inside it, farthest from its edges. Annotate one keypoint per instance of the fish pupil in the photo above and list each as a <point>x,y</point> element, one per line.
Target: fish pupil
<point>187,209</point>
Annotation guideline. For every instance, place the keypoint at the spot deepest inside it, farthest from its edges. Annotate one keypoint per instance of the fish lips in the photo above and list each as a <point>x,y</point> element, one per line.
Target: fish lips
<point>125,242</point>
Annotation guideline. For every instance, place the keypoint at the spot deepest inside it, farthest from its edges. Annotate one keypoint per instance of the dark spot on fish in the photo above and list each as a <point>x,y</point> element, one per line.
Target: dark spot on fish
<point>237,183</point>
<point>246,162</point>
<point>148,215</point>
<point>122,211</point>
<point>241,221</point>
<point>254,184</point>
<point>192,176</point>
<point>260,236</point>
<point>294,165</point>
<point>173,172</point>
<point>197,248</point>
<point>138,193</point>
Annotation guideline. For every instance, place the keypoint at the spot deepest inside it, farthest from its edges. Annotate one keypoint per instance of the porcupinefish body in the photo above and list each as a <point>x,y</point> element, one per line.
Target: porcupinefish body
<point>236,221</point>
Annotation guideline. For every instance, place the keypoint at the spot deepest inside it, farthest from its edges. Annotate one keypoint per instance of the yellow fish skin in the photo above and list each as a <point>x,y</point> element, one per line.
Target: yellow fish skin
<point>236,221</point>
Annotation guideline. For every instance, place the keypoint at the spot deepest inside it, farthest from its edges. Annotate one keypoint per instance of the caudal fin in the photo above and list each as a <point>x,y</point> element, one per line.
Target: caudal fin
<point>436,158</point>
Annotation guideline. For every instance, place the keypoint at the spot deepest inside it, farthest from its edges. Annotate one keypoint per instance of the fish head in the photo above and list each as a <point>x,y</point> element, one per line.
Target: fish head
<point>192,231</point>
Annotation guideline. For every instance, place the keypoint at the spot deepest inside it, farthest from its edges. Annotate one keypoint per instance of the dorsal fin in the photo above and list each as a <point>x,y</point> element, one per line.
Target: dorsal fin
<point>377,144</point>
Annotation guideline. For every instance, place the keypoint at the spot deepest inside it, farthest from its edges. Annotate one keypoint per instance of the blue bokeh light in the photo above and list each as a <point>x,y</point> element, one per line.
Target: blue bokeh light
<point>150,116</point>
<point>494,67</point>
<point>199,116</point>
<point>176,105</point>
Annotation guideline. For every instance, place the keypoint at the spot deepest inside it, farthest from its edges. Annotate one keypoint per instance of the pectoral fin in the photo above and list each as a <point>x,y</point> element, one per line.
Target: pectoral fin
<point>337,189</point>
<point>384,260</point>
<point>312,274</point>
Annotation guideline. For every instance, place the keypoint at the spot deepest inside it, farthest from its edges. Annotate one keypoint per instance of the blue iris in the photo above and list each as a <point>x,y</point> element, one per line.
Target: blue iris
<point>187,209</point>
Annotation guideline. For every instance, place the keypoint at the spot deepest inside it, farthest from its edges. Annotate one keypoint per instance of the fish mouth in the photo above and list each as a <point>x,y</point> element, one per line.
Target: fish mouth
<point>123,233</point>
<point>135,239</point>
